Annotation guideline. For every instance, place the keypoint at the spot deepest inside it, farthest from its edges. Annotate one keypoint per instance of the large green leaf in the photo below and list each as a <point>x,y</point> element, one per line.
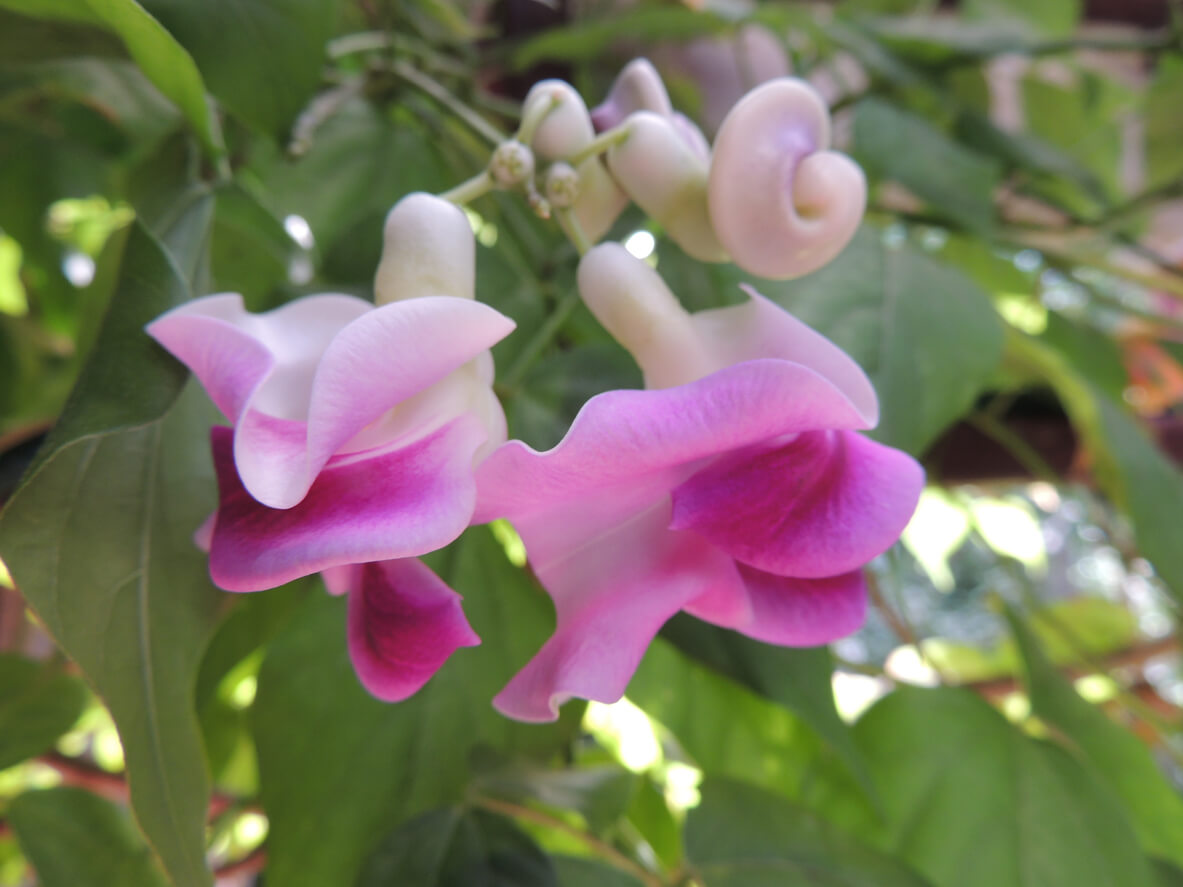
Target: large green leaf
<point>574,871</point>
<point>743,836</point>
<point>973,802</point>
<point>325,745</point>
<point>261,58</point>
<point>906,148</point>
<point>1117,756</point>
<point>925,333</point>
<point>1164,124</point>
<point>38,703</point>
<point>159,55</point>
<point>798,679</point>
<point>99,539</point>
<point>457,848</point>
<point>360,163</point>
<point>75,839</point>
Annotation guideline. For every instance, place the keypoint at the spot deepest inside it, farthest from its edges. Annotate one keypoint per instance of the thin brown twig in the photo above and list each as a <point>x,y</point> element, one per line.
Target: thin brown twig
<point>606,851</point>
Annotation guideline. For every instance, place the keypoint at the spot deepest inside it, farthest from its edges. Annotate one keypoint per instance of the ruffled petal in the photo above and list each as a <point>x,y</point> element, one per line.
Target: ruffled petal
<point>623,437</point>
<point>824,503</point>
<point>404,622</point>
<point>761,328</point>
<point>375,506</point>
<point>789,612</point>
<point>384,357</point>
<point>611,597</point>
<point>269,359</point>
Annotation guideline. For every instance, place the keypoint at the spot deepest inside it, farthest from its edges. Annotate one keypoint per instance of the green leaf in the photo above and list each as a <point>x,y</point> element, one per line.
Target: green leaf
<point>75,839</point>
<point>162,59</point>
<point>573,871</point>
<point>360,163</point>
<point>743,836</point>
<point>1164,126</point>
<point>261,58</point>
<point>1168,875</point>
<point>591,37</point>
<point>322,738</point>
<point>455,848</point>
<point>1127,464</point>
<point>798,679</point>
<point>1117,756</point>
<point>38,703</point>
<point>1050,18</point>
<point>895,144</point>
<point>250,249</point>
<point>973,802</point>
<point>99,539</point>
<point>926,335</point>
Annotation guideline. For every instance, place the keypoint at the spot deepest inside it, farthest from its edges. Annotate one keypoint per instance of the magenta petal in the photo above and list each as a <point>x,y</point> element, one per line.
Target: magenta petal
<point>611,597</point>
<point>396,504</point>
<point>798,612</point>
<point>822,504</point>
<point>404,622</point>
<point>625,436</point>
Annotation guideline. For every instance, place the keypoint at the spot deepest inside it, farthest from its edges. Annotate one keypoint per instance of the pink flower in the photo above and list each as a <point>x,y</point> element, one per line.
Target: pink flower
<point>355,432</point>
<point>735,489</point>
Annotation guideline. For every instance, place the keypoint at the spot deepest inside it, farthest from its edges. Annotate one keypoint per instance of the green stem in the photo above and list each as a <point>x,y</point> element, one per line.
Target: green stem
<point>532,118</point>
<point>1023,452</point>
<point>601,143</point>
<point>574,231</point>
<point>436,90</point>
<point>466,192</point>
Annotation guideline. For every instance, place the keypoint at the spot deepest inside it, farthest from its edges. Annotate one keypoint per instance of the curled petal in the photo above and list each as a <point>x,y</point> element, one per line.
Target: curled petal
<point>631,438</point>
<point>401,503</point>
<point>788,612</point>
<point>638,87</point>
<point>611,596</point>
<point>428,250</point>
<point>566,130</point>
<point>666,178</point>
<point>781,204</point>
<point>404,623</point>
<point>824,503</point>
<point>760,328</point>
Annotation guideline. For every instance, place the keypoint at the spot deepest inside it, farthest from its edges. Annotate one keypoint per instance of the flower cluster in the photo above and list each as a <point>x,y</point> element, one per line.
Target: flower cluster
<point>735,486</point>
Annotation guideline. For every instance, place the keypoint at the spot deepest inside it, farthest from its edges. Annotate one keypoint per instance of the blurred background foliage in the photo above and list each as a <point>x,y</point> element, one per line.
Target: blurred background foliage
<point>1010,716</point>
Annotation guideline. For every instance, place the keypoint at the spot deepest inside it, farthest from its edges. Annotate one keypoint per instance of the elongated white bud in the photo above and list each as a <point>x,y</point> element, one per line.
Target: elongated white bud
<point>565,131</point>
<point>782,205</point>
<point>633,303</point>
<point>428,250</point>
<point>666,178</point>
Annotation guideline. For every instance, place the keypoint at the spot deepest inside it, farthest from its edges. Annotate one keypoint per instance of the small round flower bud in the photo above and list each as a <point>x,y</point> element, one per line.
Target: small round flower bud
<point>561,185</point>
<point>512,164</point>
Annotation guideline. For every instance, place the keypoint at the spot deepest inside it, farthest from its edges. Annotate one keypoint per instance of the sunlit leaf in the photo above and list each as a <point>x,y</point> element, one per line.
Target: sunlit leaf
<point>38,703</point>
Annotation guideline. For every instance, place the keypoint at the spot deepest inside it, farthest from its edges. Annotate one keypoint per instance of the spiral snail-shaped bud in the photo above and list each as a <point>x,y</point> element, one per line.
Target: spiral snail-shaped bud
<point>781,203</point>
<point>638,87</point>
<point>428,250</point>
<point>633,303</point>
<point>668,179</point>
<point>565,131</point>
<point>512,164</point>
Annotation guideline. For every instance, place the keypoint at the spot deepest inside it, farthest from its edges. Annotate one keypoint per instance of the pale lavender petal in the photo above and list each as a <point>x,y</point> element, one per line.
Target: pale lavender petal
<point>404,623</point>
<point>268,358</point>
<point>761,328</point>
<point>369,507</point>
<point>623,437</point>
<point>821,504</point>
<point>791,612</point>
<point>383,358</point>
<point>611,597</point>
